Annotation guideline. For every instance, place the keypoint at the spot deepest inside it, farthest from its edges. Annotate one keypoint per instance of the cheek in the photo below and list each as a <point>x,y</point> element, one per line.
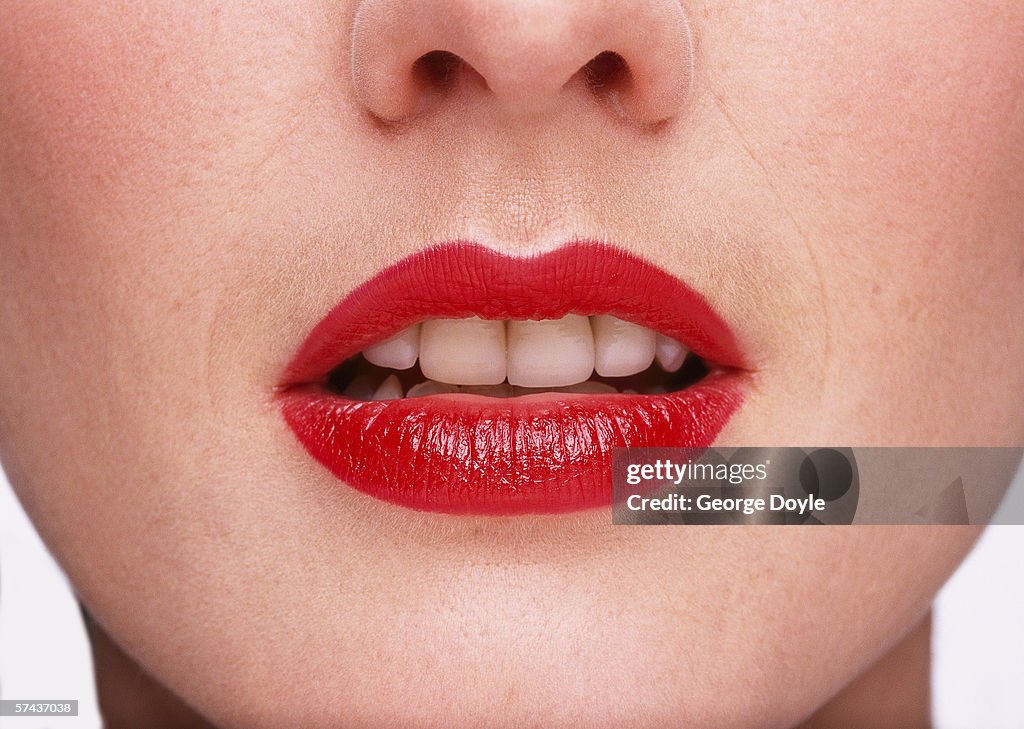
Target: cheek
<point>93,98</point>
<point>101,128</point>
<point>915,142</point>
<point>900,106</point>
<point>902,139</point>
<point>98,123</point>
<point>128,107</point>
<point>131,135</point>
<point>896,150</point>
<point>926,272</point>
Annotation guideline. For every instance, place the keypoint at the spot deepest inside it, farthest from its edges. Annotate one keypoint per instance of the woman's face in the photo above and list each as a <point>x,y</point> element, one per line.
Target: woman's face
<point>187,188</point>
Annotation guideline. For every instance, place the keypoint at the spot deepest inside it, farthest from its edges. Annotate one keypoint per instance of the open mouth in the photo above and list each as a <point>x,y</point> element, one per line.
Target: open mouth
<point>494,358</point>
<point>461,380</point>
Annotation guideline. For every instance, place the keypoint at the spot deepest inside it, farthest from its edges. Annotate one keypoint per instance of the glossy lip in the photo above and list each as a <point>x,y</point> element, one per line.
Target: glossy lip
<point>469,454</point>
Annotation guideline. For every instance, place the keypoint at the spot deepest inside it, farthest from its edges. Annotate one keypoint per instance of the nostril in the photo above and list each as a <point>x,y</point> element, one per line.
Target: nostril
<point>524,57</point>
<point>606,74</point>
<point>437,68</point>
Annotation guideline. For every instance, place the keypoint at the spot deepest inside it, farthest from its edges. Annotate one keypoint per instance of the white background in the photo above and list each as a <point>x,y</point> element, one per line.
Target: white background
<point>978,675</point>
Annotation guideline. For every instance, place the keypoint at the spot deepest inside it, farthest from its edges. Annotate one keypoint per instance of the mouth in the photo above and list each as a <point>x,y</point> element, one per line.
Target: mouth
<point>464,381</point>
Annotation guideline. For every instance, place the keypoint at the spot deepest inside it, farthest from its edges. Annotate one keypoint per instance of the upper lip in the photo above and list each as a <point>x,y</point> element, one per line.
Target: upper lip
<point>484,455</point>
<point>468,279</point>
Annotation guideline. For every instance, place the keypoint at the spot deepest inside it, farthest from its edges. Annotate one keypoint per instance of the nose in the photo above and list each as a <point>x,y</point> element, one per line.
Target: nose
<point>636,56</point>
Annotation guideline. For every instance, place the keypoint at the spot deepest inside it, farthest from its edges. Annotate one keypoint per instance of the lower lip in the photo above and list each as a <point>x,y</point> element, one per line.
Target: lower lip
<point>469,454</point>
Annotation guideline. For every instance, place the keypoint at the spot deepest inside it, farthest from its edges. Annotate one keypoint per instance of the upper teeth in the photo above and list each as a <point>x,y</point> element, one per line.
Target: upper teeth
<point>550,353</point>
<point>547,353</point>
<point>463,351</point>
<point>623,348</point>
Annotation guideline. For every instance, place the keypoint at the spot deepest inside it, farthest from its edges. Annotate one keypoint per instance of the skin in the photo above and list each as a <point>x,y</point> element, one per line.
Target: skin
<point>186,188</point>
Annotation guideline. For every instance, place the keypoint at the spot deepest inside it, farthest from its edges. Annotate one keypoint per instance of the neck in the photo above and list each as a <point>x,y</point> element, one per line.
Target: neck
<point>130,698</point>
<point>894,693</point>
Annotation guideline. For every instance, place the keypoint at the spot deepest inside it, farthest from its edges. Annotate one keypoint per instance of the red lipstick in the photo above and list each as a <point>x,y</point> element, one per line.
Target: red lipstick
<point>471,454</point>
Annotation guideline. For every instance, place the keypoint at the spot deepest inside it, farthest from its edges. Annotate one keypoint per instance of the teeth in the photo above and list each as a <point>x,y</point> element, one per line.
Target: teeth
<point>669,353</point>
<point>399,352</point>
<point>390,389</point>
<point>505,358</point>
<point>431,388</point>
<point>550,353</point>
<point>463,351</point>
<point>621,347</point>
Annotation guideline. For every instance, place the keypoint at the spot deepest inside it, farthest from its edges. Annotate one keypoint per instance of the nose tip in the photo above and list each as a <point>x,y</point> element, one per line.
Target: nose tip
<point>634,55</point>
